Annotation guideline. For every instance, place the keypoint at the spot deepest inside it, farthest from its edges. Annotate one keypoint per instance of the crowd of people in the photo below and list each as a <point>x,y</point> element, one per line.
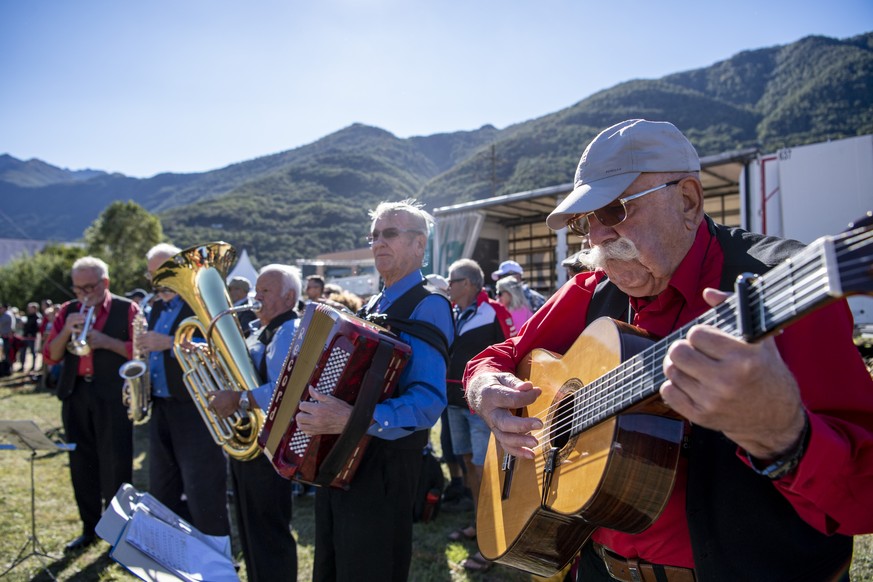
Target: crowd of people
<point>761,422</point>
<point>20,333</point>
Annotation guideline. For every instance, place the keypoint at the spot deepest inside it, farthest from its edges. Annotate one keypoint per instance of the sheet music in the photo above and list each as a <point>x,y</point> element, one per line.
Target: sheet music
<point>139,564</point>
<point>162,542</point>
<point>155,544</point>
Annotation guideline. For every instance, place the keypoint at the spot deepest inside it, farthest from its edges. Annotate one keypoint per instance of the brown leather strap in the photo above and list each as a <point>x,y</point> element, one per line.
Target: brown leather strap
<point>634,570</point>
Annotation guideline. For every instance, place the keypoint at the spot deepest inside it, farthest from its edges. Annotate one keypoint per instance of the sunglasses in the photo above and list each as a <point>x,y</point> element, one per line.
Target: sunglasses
<point>85,289</point>
<point>388,234</point>
<point>611,214</point>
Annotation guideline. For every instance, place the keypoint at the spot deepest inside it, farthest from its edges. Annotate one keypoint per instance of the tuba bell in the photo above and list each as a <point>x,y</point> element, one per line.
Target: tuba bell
<point>197,274</point>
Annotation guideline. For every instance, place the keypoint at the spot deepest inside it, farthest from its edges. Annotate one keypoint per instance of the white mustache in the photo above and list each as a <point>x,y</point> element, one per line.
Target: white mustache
<point>621,249</point>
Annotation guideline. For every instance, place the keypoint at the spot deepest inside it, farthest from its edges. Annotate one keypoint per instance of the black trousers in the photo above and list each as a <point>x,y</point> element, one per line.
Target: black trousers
<point>103,458</point>
<point>263,512</point>
<point>365,533</point>
<point>187,470</point>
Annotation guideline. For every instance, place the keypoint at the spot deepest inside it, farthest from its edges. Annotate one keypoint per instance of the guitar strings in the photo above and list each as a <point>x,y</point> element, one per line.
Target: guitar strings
<point>794,291</point>
<point>781,293</point>
<point>595,391</point>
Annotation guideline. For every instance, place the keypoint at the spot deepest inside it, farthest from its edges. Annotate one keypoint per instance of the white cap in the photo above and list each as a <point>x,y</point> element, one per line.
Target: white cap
<point>616,157</point>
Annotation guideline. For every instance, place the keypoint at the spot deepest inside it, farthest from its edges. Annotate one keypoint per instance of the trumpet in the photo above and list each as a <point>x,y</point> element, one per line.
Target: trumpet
<point>79,344</point>
<point>136,394</point>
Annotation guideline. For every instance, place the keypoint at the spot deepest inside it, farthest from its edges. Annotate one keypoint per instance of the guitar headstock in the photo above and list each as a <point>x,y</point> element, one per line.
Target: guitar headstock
<point>865,221</point>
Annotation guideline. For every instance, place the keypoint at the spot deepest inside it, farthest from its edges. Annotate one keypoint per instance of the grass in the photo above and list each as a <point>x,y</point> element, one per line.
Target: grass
<point>435,558</point>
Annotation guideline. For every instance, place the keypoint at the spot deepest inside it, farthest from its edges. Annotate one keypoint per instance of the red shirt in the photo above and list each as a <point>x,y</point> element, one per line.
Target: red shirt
<point>101,314</point>
<point>830,488</point>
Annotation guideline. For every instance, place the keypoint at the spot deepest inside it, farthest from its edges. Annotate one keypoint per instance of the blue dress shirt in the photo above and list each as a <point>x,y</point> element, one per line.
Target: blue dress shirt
<point>424,377</point>
<point>275,353</point>
<point>163,325</point>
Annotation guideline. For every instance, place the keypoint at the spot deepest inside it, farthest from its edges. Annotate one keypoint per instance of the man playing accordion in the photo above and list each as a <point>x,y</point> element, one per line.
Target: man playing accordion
<point>365,532</point>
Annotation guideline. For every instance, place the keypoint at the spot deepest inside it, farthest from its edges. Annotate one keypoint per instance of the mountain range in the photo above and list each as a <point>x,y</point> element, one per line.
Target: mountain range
<point>314,199</point>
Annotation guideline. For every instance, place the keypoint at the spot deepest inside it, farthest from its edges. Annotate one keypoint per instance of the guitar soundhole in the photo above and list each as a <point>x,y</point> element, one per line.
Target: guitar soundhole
<point>561,426</point>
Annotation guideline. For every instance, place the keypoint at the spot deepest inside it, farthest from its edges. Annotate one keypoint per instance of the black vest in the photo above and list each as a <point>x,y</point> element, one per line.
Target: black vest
<point>396,318</point>
<point>172,369</point>
<point>741,527</point>
<point>107,383</point>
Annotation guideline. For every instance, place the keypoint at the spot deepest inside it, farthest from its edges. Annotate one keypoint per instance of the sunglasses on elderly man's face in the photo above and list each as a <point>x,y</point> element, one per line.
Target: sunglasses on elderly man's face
<point>611,214</point>
<point>389,234</point>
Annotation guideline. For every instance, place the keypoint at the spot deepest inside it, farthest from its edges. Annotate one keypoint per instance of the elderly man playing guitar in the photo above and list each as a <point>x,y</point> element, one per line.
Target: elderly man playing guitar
<point>705,457</point>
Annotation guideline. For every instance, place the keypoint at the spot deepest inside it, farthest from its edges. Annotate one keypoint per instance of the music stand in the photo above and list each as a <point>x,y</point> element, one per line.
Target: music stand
<point>25,434</point>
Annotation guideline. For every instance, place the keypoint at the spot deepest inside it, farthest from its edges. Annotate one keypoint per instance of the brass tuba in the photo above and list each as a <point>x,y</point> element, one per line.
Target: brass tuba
<point>136,394</point>
<point>197,274</point>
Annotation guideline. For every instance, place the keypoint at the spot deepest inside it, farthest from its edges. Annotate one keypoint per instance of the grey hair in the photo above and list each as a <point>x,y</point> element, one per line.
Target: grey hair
<point>470,270</point>
<point>415,210</point>
<point>512,286</point>
<point>162,249</point>
<point>98,265</point>
<point>290,277</point>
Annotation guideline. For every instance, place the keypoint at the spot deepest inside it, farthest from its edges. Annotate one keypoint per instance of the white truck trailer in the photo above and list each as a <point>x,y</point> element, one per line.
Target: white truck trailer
<point>810,191</point>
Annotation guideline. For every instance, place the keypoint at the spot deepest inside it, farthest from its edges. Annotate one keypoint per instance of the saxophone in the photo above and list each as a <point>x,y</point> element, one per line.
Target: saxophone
<point>136,394</point>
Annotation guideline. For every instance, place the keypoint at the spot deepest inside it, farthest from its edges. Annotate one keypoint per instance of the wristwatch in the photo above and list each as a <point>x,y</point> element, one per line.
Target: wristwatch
<point>244,403</point>
<point>788,462</point>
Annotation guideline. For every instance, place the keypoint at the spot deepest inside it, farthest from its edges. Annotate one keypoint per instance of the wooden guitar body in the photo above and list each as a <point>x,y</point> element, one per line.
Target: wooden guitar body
<point>617,474</point>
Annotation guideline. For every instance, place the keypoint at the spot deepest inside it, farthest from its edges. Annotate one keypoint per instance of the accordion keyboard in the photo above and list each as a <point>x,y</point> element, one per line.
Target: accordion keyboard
<point>332,372</point>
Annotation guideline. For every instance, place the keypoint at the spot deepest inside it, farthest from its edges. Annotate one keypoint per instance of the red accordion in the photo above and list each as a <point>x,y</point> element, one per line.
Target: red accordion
<point>344,356</point>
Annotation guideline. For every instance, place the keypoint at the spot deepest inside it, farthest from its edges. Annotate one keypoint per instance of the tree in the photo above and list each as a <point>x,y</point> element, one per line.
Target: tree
<point>121,236</point>
<point>45,275</point>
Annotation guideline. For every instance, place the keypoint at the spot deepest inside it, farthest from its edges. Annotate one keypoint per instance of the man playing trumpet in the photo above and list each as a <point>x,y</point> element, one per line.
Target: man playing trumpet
<point>92,336</point>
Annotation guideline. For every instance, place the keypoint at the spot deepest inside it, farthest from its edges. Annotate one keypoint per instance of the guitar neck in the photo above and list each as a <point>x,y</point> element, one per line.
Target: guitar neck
<point>810,279</point>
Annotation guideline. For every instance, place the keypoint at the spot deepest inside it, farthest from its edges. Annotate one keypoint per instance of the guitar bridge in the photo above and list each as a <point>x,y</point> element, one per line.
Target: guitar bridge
<point>548,473</point>
<point>508,468</point>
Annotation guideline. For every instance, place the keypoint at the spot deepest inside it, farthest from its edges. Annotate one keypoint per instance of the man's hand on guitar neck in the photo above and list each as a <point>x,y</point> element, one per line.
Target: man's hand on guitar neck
<point>744,390</point>
<point>496,397</point>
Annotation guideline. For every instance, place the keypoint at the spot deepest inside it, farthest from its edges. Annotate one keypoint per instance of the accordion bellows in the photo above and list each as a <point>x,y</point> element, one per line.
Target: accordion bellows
<point>349,358</point>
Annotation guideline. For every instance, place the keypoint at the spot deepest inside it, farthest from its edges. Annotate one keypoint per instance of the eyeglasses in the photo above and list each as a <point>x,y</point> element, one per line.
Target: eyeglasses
<point>612,214</point>
<point>389,234</point>
<point>85,289</point>
<point>453,281</point>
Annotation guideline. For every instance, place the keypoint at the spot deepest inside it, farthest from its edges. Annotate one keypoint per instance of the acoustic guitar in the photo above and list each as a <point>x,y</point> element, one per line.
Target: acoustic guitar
<point>609,447</point>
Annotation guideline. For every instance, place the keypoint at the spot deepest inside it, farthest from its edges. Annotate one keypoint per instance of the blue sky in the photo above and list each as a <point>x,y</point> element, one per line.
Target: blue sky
<point>192,85</point>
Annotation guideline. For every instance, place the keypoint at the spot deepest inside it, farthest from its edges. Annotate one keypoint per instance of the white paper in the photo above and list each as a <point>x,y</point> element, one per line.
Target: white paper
<point>139,528</point>
<point>186,555</point>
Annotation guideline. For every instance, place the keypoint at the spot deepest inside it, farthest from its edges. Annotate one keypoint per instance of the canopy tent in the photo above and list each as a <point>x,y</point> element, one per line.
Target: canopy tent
<point>244,268</point>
